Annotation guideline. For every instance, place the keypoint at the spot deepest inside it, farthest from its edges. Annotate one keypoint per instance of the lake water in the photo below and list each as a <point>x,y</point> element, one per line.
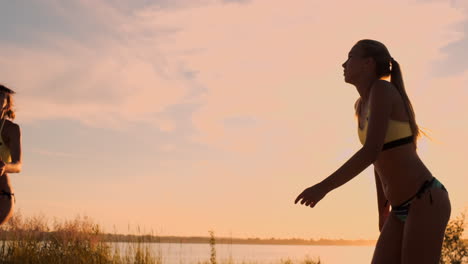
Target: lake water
<point>261,254</point>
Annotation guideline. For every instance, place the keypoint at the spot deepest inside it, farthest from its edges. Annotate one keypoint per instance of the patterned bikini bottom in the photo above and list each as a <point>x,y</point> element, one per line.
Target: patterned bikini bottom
<point>401,211</point>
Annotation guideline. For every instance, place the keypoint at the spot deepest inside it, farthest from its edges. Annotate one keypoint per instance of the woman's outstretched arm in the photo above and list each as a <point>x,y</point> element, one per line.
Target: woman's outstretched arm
<point>355,165</point>
<point>380,107</point>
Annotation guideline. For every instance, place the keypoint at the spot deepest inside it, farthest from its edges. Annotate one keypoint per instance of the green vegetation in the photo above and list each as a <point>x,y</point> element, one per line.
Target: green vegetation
<point>33,240</point>
<point>79,241</point>
<point>454,249</point>
<point>212,248</point>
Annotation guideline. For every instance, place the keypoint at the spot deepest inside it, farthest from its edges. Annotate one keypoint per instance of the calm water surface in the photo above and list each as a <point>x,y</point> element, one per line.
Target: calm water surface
<point>261,254</point>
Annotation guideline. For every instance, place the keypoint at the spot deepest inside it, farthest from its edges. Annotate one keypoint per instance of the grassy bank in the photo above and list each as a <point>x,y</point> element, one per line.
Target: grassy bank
<point>80,241</point>
<point>34,240</point>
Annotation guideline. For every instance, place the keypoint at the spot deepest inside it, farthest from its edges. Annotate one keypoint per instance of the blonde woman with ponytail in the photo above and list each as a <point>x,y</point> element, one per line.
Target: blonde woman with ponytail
<point>10,152</point>
<point>413,205</point>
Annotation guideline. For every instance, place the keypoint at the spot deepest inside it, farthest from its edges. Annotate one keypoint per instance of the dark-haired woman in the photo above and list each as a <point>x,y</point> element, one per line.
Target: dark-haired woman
<point>413,230</point>
<point>10,152</point>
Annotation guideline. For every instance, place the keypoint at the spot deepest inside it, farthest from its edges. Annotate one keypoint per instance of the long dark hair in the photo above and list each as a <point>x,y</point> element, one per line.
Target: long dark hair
<point>388,66</point>
<point>8,111</point>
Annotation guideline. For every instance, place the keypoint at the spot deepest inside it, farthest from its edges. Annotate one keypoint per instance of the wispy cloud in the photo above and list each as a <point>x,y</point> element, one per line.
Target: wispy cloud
<point>268,66</point>
<point>257,83</point>
<point>260,62</point>
<point>105,77</point>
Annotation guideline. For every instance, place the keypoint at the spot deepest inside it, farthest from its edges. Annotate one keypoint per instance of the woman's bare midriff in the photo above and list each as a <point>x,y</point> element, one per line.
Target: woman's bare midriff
<point>401,173</point>
<point>400,169</point>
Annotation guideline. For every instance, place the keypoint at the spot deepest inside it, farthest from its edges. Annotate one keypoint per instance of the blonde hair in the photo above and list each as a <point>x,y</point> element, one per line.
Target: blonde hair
<point>8,111</point>
<point>387,66</point>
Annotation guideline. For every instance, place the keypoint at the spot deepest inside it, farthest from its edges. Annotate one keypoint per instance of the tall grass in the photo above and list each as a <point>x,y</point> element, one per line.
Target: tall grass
<point>79,241</point>
<point>454,249</point>
<point>35,240</point>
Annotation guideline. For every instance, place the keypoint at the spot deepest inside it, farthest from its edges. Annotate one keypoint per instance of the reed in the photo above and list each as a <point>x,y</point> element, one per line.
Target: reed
<point>78,241</point>
<point>213,260</point>
<point>35,240</point>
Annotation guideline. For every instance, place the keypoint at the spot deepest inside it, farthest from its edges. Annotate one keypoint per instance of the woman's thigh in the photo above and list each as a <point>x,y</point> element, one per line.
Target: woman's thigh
<point>388,247</point>
<point>425,227</point>
<point>6,208</point>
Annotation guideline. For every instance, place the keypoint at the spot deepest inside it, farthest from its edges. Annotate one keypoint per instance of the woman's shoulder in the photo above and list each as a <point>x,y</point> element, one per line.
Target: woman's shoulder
<point>11,126</point>
<point>383,83</point>
<point>387,84</point>
<point>385,87</point>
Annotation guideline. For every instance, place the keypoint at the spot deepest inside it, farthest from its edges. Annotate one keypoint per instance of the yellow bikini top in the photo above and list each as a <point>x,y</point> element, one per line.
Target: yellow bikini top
<point>396,130</point>
<point>4,150</point>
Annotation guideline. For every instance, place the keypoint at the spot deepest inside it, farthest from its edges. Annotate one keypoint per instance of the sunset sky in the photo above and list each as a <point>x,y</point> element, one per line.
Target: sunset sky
<point>183,116</point>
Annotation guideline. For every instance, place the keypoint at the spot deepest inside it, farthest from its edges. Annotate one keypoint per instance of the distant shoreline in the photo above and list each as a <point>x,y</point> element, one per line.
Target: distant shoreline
<point>242,241</point>
<point>120,238</point>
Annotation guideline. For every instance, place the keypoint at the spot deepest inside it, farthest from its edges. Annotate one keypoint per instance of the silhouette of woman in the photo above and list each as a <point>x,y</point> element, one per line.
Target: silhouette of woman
<point>10,152</point>
<point>413,231</point>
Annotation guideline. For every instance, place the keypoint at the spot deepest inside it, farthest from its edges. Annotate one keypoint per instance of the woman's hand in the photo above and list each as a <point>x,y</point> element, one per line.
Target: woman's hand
<point>312,195</point>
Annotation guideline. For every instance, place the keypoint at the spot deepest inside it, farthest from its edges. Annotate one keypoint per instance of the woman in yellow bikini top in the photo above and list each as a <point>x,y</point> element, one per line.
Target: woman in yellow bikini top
<point>413,231</point>
<point>10,152</point>
<point>5,154</point>
<point>398,133</point>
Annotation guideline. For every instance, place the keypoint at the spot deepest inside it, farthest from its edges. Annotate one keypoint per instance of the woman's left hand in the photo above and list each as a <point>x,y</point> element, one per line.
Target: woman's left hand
<point>312,195</point>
